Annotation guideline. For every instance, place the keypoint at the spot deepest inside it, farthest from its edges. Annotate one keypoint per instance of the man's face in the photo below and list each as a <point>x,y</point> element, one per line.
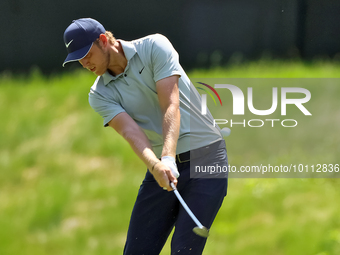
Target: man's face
<point>96,60</point>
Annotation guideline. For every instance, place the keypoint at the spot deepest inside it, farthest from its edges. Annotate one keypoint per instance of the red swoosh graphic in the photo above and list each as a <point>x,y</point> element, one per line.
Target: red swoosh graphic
<point>212,89</point>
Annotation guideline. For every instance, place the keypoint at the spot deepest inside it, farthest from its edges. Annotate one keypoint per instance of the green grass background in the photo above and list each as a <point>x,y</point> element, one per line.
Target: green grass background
<point>68,185</point>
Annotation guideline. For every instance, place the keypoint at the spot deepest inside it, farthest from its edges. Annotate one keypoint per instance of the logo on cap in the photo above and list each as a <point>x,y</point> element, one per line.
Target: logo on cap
<point>68,44</point>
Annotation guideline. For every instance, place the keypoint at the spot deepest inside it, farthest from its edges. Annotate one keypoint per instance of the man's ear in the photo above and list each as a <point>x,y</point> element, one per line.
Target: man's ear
<point>103,39</point>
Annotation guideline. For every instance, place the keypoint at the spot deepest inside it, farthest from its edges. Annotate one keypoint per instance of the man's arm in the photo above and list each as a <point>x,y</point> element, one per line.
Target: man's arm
<point>168,95</point>
<point>134,135</point>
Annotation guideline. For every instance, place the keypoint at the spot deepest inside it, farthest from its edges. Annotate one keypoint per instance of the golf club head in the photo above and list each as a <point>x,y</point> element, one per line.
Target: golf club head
<point>203,231</point>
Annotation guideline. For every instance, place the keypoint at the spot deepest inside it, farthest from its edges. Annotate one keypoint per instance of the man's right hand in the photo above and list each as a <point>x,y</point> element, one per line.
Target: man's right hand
<point>163,175</point>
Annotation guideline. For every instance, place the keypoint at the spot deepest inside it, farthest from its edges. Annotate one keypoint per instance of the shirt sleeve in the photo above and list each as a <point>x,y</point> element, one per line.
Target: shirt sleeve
<point>164,58</point>
<point>106,108</point>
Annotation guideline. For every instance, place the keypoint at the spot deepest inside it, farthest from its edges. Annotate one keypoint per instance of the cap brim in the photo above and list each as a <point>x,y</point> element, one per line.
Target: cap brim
<point>77,55</point>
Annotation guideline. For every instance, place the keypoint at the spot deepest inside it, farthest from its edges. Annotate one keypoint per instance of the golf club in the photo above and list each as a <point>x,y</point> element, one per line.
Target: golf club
<point>199,229</point>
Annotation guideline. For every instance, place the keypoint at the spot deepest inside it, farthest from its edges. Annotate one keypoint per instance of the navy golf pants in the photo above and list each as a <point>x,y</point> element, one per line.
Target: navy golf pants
<point>157,211</point>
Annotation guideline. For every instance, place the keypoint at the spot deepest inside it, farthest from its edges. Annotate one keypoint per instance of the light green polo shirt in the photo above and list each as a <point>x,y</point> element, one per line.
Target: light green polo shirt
<point>151,59</point>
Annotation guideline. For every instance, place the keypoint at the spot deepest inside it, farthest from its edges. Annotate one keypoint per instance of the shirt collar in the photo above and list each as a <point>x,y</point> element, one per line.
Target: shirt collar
<point>129,51</point>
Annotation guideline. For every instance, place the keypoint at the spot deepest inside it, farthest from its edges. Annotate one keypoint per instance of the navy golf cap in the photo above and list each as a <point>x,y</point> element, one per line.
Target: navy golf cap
<point>79,38</point>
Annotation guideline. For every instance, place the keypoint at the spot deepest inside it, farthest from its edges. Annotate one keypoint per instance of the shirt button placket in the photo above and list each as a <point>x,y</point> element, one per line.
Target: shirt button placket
<point>125,80</point>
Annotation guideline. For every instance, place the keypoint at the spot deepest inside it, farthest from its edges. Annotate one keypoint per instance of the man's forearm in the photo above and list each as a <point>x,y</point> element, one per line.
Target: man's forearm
<point>135,136</point>
<point>171,126</point>
<point>142,147</point>
<point>168,95</point>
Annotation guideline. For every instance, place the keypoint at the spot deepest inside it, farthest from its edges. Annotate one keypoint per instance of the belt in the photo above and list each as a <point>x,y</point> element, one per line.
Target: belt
<point>183,157</point>
<point>200,152</point>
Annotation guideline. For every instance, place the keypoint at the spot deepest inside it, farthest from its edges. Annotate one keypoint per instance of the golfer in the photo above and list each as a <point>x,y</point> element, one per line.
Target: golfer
<point>143,93</point>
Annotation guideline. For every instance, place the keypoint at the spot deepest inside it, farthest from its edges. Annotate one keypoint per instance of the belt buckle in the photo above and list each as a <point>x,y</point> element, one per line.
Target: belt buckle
<point>179,158</point>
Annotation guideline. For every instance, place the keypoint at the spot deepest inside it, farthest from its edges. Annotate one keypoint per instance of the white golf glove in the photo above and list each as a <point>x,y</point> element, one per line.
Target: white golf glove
<point>171,163</point>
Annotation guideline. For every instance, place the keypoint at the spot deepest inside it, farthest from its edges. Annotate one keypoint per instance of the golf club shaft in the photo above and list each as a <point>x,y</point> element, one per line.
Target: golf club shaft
<point>185,206</point>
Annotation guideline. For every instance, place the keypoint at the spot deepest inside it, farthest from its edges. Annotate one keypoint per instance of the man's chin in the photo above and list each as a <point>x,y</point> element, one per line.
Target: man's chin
<point>98,73</point>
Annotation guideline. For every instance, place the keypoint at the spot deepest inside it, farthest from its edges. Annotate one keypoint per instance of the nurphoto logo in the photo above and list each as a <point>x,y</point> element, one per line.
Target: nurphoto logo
<point>239,98</point>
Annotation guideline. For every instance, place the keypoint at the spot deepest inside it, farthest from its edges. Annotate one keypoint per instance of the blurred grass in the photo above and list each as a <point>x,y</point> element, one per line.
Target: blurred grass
<point>68,185</point>
<point>273,69</point>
